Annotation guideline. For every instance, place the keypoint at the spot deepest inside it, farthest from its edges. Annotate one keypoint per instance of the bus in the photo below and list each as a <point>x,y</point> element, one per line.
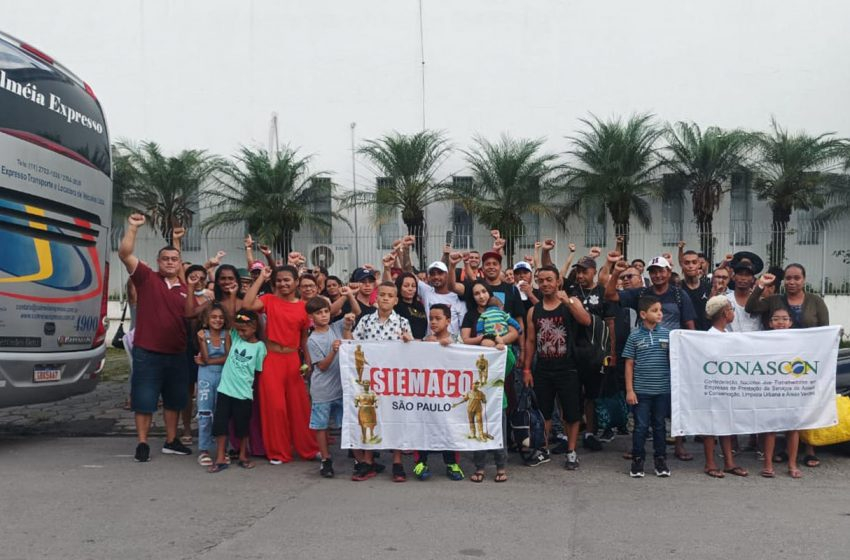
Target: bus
<point>55,213</point>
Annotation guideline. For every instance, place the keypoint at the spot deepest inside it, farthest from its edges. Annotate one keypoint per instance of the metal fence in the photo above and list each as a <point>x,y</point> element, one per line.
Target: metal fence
<point>823,248</point>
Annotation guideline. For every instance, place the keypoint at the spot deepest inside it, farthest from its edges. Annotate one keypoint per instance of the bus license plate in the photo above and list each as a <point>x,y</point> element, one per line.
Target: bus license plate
<point>46,375</point>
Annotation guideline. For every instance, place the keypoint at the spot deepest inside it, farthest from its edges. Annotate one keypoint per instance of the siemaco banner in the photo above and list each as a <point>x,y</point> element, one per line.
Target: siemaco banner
<point>420,395</point>
<point>749,383</point>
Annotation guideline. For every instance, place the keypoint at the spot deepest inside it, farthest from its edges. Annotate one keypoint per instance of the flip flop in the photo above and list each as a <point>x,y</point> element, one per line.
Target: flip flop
<point>768,473</point>
<point>795,473</point>
<point>811,461</point>
<point>501,477</point>
<point>246,464</point>
<point>684,456</point>
<point>205,460</point>
<point>218,467</point>
<point>737,471</point>
<point>715,473</point>
<point>477,476</point>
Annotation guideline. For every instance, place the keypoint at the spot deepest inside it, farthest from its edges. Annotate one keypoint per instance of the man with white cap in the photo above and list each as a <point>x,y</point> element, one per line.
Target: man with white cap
<point>439,290</point>
<point>677,308</point>
<point>523,274</point>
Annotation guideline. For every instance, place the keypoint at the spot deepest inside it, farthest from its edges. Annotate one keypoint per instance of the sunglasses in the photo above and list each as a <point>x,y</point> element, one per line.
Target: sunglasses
<point>627,276</point>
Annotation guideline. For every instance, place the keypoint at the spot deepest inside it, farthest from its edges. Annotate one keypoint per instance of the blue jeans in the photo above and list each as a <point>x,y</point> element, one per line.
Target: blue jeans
<point>208,380</point>
<point>156,374</point>
<point>650,409</point>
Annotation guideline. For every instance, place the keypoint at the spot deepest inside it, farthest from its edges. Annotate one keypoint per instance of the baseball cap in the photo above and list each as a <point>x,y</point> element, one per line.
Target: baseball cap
<point>585,262</point>
<point>361,274</point>
<point>522,265</point>
<point>257,265</point>
<point>715,305</point>
<point>659,262</point>
<point>491,255</point>
<point>439,265</point>
<point>243,273</point>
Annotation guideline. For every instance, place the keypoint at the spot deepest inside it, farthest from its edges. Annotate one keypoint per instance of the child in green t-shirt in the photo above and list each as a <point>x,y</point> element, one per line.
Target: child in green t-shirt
<point>235,391</point>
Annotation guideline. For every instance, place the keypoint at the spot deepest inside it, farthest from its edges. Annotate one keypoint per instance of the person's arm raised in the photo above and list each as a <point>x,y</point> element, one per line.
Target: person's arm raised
<point>128,242</point>
<point>569,262</point>
<point>251,301</point>
<point>546,252</point>
<point>611,293</point>
<point>451,282</point>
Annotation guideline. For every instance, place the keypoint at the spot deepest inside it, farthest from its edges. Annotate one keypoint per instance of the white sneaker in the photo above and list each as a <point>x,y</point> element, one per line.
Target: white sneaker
<point>275,462</point>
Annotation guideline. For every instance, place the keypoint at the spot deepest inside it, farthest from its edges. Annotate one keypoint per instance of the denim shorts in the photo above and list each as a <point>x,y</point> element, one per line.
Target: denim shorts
<point>156,374</point>
<point>320,414</point>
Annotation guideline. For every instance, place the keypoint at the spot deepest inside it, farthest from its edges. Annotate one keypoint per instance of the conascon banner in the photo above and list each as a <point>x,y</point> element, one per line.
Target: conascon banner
<point>421,395</point>
<point>749,383</point>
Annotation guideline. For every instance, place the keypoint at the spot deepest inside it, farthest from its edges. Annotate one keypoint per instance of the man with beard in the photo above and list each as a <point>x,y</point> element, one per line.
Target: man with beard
<point>441,289</point>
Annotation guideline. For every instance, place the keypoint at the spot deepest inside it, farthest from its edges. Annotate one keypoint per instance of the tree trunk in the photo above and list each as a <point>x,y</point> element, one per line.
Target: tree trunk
<point>622,228</point>
<point>419,231</point>
<point>705,225</point>
<point>781,218</point>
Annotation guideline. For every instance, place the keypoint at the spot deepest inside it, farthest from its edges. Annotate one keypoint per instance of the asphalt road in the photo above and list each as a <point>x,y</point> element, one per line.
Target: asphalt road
<point>85,498</point>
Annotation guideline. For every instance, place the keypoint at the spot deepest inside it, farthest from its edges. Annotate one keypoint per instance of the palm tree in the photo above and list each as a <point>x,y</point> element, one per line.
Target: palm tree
<point>705,160</point>
<point>164,188</point>
<point>791,171</point>
<point>615,169</point>
<point>506,179</point>
<point>274,195</point>
<point>122,178</point>
<point>408,163</point>
<point>838,191</point>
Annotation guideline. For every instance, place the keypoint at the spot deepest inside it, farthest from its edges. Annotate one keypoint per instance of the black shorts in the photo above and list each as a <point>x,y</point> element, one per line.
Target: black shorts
<point>566,386</point>
<point>228,408</point>
<point>591,380</point>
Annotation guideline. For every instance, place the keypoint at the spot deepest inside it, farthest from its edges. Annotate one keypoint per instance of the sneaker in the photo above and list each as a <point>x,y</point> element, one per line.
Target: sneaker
<point>275,462</point>
<point>591,442</point>
<point>176,448</point>
<point>560,446</point>
<point>538,458</point>
<point>607,436</point>
<point>623,431</point>
<point>453,471</point>
<point>661,468</point>
<point>398,473</point>
<point>571,463</point>
<point>143,453</point>
<point>637,468</point>
<point>327,469</point>
<point>363,471</point>
<point>421,471</point>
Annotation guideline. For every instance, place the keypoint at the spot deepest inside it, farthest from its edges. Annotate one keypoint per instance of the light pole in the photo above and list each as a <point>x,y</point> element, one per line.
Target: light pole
<point>354,190</point>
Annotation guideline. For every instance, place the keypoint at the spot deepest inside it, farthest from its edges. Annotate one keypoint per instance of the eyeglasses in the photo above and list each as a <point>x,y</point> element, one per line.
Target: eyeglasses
<point>627,276</point>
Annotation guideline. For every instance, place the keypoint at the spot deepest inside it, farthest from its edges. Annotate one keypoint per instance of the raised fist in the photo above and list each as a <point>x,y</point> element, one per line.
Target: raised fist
<point>455,258</point>
<point>548,244</point>
<point>499,244</point>
<point>266,274</point>
<point>767,279</point>
<point>136,220</point>
<point>667,256</point>
<point>249,241</point>
<point>614,257</point>
<point>538,244</point>
<point>264,249</point>
<point>388,260</point>
<point>594,252</point>
<point>495,234</point>
<point>529,259</point>
<point>620,266</point>
<point>572,247</point>
<point>408,240</point>
<point>447,249</point>
<point>216,260</point>
<point>344,291</point>
<point>349,319</point>
<point>177,233</point>
<point>682,244</point>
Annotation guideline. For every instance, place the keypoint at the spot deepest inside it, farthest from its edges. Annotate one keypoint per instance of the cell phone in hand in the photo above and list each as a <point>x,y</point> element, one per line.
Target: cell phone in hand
<point>450,237</point>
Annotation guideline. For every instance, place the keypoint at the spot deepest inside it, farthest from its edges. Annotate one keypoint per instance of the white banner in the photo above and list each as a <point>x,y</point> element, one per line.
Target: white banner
<point>420,395</point>
<point>749,383</point>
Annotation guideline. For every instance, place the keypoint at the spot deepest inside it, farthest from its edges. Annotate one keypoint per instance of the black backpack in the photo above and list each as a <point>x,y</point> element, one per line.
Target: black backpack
<point>527,425</point>
<point>593,342</point>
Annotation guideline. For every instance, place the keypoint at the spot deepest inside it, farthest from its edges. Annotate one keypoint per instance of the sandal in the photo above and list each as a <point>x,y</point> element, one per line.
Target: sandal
<point>501,477</point>
<point>767,473</point>
<point>246,464</point>
<point>715,473</point>
<point>811,461</point>
<point>218,467</point>
<point>477,476</point>
<point>795,473</point>
<point>684,456</point>
<point>205,460</point>
<point>737,471</point>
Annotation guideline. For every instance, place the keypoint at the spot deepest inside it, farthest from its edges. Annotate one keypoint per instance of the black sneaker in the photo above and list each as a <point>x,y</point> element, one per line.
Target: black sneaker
<point>176,448</point>
<point>327,469</point>
<point>143,453</point>
<point>378,468</point>
<point>571,462</point>
<point>591,442</point>
<point>661,468</point>
<point>637,468</point>
<point>607,436</point>
<point>622,431</point>
<point>398,473</point>
<point>560,446</point>
<point>538,458</point>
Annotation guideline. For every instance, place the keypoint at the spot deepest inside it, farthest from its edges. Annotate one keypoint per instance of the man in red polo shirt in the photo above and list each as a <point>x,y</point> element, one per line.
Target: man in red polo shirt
<point>159,346</point>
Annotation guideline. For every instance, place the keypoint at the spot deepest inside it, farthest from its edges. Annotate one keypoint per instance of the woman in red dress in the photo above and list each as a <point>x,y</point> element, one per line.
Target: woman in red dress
<point>284,402</point>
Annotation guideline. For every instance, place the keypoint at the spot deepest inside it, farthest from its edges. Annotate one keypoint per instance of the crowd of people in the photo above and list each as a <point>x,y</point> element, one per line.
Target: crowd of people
<point>257,347</point>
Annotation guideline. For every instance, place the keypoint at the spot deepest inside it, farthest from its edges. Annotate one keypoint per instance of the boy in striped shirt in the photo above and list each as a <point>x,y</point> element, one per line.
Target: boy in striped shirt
<point>647,354</point>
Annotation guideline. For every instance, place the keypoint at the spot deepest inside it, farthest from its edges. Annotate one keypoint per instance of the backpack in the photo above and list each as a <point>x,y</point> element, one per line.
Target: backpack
<point>677,295</point>
<point>527,427</point>
<point>593,342</point>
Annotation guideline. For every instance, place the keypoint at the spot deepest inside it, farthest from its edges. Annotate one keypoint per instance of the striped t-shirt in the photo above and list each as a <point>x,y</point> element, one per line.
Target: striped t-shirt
<point>650,349</point>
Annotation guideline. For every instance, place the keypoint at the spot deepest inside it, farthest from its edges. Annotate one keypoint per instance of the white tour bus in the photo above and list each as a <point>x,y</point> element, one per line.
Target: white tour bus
<point>55,212</point>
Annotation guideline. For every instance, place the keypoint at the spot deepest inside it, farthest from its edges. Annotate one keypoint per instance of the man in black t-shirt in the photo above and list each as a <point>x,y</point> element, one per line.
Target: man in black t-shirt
<point>550,327</point>
<point>696,285</point>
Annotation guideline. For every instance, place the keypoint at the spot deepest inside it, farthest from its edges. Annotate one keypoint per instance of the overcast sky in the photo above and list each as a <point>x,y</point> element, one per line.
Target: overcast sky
<point>209,74</point>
